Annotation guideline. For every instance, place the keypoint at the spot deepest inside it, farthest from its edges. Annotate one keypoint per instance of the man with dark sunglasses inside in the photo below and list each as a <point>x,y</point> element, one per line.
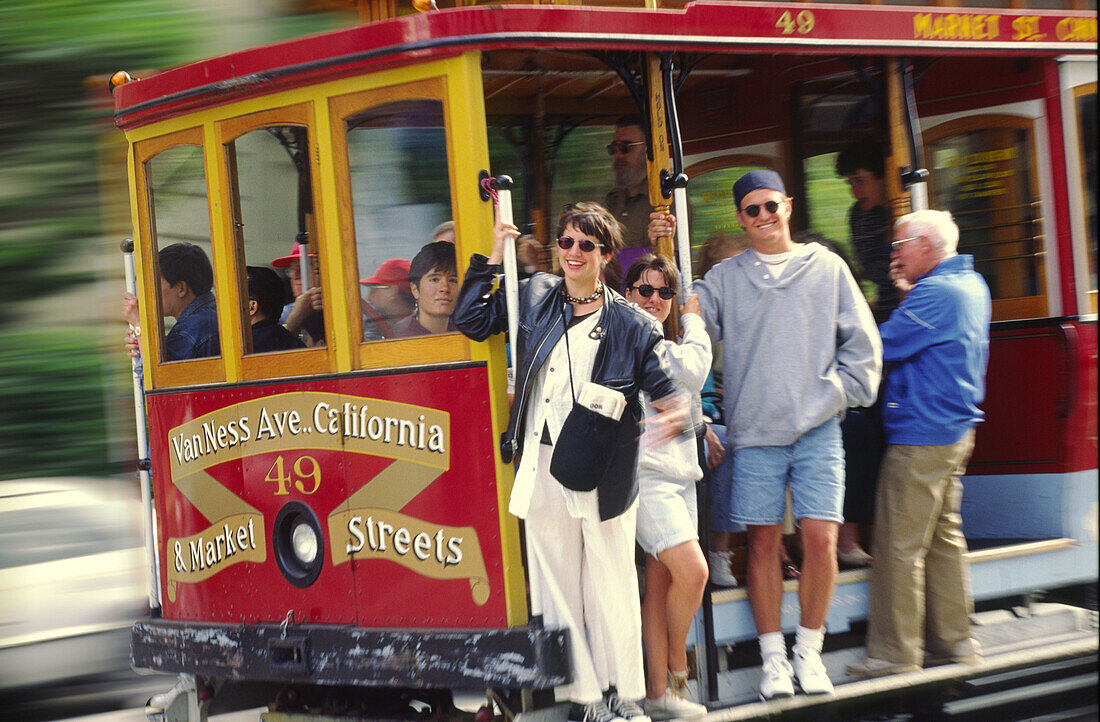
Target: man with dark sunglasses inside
<point>628,201</point>
<point>800,347</point>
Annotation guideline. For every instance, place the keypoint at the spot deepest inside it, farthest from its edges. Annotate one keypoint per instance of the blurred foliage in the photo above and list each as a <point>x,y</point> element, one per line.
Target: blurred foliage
<point>48,193</point>
<point>52,384</point>
<point>51,405</point>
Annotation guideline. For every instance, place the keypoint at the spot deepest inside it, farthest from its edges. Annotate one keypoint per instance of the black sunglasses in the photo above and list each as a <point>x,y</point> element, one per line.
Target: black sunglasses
<point>622,146</point>
<point>565,243</point>
<point>754,209</point>
<point>646,290</point>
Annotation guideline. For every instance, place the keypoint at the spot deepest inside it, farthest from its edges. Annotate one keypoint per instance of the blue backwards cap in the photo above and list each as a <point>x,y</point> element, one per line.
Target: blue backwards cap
<point>755,180</point>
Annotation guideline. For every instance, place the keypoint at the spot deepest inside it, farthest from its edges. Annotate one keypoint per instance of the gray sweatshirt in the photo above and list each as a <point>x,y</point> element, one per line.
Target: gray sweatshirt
<point>797,350</point>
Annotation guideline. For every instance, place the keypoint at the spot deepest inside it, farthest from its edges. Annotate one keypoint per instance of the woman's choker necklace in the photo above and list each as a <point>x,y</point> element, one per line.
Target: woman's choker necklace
<point>586,299</point>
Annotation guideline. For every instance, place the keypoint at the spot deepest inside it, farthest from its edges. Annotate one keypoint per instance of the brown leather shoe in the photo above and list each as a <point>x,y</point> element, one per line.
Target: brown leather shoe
<point>871,667</point>
<point>966,652</point>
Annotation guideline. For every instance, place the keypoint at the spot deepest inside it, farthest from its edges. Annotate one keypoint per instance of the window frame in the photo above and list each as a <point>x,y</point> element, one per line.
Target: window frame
<point>1017,307</point>
<point>1087,291</point>
<point>435,348</point>
<point>275,364</point>
<point>160,373</point>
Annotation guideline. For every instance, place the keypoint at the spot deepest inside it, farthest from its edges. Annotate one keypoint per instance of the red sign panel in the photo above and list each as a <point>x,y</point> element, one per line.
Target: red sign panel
<point>701,26</point>
<point>393,474</point>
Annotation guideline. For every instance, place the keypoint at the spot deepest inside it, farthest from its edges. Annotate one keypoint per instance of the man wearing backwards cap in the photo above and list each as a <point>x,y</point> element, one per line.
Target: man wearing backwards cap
<point>388,301</point>
<point>800,347</point>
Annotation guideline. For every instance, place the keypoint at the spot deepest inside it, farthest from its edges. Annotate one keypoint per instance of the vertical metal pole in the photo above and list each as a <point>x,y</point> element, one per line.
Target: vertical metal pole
<point>303,261</point>
<point>918,178</point>
<point>683,240</point>
<point>142,445</point>
<point>511,272</point>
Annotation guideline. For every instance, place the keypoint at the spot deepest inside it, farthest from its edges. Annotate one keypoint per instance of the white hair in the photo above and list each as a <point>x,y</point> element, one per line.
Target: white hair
<point>937,226</point>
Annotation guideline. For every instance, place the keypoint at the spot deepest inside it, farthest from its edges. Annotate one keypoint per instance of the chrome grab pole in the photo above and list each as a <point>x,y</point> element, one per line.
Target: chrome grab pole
<point>683,240</point>
<point>142,445</point>
<point>503,186</point>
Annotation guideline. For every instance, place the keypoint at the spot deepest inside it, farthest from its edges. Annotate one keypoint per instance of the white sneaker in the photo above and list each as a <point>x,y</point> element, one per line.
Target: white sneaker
<point>776,682</point>
<point>810,671</point>
<point>160,702</point>
<point>671,705</point>
<point>720,574</point>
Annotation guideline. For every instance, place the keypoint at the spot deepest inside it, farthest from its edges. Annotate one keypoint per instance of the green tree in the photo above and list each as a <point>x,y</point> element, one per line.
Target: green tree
<point>53,378</point>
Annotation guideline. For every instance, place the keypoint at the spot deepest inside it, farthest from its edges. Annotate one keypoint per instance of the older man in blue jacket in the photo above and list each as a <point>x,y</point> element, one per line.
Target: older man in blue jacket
<point>936,344</point>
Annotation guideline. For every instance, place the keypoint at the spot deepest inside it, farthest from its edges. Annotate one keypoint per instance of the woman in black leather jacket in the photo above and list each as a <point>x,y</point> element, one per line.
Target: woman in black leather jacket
<point>580,545</point>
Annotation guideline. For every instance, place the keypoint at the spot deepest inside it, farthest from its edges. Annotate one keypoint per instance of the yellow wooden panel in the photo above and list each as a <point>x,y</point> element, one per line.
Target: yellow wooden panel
<point>468,152</point>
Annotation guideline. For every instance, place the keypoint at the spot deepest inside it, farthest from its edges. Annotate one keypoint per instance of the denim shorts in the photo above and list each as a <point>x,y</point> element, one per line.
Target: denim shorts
<point>813,466</point>
<point>719,487</point>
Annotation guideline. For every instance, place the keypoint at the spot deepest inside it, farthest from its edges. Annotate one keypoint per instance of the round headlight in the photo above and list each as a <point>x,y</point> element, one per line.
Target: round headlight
<point>304,542</point>
<point>298,543</point>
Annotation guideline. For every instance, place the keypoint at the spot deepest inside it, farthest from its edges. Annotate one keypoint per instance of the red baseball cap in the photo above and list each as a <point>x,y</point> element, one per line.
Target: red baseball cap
<point>394,272</point>
<point>289,260</point>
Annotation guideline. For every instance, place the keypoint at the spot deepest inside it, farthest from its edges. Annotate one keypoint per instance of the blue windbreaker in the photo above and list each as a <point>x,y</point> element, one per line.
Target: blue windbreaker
<point>937,344</point>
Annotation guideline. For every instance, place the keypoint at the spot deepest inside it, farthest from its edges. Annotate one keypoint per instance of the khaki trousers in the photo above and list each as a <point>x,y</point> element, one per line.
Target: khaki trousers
<point>920,586</point>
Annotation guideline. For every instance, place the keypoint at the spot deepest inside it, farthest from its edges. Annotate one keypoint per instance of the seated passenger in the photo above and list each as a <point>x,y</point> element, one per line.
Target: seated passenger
<point>389,302</point>
<point>433,278</point>
<point>292,263</point>
<point>265,303</point>
<point>186,278</point>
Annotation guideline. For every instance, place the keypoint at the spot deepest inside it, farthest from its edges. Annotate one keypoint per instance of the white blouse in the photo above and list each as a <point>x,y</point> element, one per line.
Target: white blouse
<point>550,403</point>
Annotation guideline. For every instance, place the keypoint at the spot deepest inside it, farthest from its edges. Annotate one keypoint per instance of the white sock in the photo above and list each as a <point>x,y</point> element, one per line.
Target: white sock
<point>772,643</point>
<point>810,638</point>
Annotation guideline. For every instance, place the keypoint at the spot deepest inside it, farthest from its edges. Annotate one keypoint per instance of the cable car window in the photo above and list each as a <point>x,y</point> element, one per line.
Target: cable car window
<point>403,221</point>
<point>840,123</point>
<point>179,225</point>
<point>269,170</point>
<point>982,171</point>
<point>1086,124</point>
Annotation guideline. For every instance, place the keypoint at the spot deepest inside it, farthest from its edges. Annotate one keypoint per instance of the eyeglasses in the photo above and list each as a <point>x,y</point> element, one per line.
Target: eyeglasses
<point>646,291</point>
<point>622,146</point>
<point>565,243</point>
<point>898,243</point>
<point>754,210</point>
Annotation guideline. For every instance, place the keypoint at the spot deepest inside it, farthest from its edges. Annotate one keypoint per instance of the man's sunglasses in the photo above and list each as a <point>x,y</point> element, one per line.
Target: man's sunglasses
<point>754,210</point>
<point>622,146</point>
<point>646,291</point>
<point>565,243</point>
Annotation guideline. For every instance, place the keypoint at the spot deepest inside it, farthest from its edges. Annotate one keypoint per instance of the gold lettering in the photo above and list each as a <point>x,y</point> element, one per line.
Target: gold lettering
<point>1026,27</point>
<point>922,26</point>
<point>1076,30</point>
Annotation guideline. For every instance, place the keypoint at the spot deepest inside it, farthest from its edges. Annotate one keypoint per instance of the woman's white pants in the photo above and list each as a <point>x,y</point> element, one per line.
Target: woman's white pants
<point>583,578</point>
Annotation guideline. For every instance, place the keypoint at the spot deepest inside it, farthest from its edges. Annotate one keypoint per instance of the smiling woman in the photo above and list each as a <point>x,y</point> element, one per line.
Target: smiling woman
<point>577,334</point>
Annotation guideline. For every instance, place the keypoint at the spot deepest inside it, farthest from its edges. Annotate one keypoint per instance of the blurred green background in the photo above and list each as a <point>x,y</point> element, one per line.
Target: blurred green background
<point>65,385</point>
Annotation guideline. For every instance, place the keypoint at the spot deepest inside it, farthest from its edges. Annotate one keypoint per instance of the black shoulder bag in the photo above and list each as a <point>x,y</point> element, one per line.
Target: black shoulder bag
<point>585,452</point>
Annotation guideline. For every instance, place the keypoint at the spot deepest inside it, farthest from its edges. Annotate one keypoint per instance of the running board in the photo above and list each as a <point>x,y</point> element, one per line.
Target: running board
<point>851,576</point>
<point>1028,638</point>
